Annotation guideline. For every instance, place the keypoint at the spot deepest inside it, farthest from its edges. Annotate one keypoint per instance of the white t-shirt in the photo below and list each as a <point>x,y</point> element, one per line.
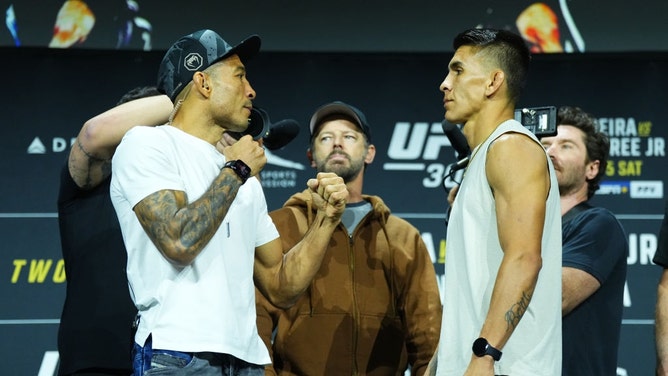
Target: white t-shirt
<point>473,257</point>
<point>210,304</point>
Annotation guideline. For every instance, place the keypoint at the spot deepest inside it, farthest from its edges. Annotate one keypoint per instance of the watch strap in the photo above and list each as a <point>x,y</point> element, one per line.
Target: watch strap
<point>481,348</point>
<point>240,168</point>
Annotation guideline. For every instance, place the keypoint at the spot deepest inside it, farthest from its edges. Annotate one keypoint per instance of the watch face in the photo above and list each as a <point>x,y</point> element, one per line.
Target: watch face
<point>245,170</point>
<point>240,168</point>
<point>479,347</point>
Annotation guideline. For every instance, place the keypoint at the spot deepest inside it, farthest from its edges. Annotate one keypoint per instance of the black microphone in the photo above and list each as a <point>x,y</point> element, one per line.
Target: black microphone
<point>258,125</point>
<point>274,135</point>
<point>280,134</point>
<point>459,165</point>
<point>457,140</point>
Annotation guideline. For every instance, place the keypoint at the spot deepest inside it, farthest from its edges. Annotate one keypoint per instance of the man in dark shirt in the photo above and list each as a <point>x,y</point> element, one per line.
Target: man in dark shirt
<point>95,333</point>
<point>594,248</point>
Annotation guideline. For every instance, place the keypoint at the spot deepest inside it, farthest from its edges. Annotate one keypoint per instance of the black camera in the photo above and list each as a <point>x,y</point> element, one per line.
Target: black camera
<point>541,121</point>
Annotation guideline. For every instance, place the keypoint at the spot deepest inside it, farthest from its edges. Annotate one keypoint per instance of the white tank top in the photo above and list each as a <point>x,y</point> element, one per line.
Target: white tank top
<point>473,257</point>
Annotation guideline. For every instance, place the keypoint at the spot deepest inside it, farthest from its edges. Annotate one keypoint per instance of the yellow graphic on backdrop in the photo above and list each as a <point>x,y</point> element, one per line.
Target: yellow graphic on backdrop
<point>38,270</point>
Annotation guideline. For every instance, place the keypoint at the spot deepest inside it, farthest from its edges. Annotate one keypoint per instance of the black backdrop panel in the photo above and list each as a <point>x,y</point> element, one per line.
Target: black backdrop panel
<point>50,93</point>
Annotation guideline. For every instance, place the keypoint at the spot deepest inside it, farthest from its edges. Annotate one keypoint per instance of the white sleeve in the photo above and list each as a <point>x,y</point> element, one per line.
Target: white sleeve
<point>144,164</point>
<point>266,230</point>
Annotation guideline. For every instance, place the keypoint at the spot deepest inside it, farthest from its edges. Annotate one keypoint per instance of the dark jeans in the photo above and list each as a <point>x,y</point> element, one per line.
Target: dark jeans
<point>101,372</point>
<point>148,361</point>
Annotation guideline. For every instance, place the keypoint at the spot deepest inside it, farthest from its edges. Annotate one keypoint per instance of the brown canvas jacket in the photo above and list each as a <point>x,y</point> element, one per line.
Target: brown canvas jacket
<point>372,309</point>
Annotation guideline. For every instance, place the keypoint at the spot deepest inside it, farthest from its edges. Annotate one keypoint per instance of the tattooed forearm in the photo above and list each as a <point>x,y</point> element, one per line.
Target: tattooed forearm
<point>206,214</point>
<point>87,169</point>
<point>89,155</point>
<point>516,311</point>
<point>181,230</point>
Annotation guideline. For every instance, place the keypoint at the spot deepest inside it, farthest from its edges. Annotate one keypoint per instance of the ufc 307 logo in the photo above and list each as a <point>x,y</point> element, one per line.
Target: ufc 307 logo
<point>418,147</point>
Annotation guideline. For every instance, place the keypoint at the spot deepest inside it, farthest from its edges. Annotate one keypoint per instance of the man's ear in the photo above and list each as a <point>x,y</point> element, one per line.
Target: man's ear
<point>592,169</point>
<point>497,80</point>
<point>309,155</point>
<point>201,83</point>
<point>370,154</point>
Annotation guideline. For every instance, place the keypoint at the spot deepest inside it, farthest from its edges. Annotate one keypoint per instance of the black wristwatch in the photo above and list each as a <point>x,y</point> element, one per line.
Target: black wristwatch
<point>481,348</point>
<point>240,168</point>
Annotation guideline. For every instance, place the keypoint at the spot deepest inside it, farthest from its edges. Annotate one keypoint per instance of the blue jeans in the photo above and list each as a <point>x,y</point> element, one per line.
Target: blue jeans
<point>147,361</point>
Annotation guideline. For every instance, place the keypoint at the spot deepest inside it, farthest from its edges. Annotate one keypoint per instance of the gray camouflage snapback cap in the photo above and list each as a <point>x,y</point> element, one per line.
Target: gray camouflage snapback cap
<point>196,52</point>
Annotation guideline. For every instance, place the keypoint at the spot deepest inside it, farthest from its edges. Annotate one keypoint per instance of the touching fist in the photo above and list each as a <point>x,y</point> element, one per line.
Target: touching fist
<point>329,194</point>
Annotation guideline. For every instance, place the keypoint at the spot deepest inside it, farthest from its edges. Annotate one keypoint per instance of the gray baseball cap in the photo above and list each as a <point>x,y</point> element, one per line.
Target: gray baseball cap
<point>340,108</point>
<point>196,52</point>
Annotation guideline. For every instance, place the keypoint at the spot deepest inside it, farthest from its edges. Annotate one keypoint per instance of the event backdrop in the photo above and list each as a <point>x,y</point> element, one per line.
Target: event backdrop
<point>48,94</point>
<point>336,26</point>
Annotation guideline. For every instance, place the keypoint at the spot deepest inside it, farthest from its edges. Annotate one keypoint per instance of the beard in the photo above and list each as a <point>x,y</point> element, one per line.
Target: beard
<point>570,180</point>
<point>347,172</point>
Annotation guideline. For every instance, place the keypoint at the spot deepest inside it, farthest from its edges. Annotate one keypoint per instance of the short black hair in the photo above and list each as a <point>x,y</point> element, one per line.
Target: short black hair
<point>507,48</point>
<point>139,92</point>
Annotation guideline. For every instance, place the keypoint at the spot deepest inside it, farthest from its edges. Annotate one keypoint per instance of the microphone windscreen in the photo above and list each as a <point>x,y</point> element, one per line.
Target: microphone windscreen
<point>258,125</point>
<point>457,139</point>
<point>280,134</point>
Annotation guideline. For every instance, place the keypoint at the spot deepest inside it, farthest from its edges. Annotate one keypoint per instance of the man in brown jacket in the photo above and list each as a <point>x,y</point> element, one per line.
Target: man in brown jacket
<point>374,307</point>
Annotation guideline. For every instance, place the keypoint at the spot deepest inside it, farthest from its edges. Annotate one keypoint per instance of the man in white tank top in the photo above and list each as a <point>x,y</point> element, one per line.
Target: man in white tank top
<point>502,292</point>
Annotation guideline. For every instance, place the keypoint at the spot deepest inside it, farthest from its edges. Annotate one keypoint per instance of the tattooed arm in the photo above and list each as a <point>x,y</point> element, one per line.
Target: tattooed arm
<point>181,230</point>
<point>520,195</point>
<point>89,161</point>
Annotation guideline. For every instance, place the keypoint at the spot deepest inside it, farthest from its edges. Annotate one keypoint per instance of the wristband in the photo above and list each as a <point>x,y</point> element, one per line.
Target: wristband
<point>240,168</point>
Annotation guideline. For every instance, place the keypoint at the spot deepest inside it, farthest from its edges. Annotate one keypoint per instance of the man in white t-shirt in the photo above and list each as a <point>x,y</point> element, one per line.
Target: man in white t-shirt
<point>195,223</point>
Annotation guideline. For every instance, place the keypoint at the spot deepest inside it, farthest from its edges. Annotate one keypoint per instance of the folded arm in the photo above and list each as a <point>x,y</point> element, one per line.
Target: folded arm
<point>181,230</point>
<point>89,160</point>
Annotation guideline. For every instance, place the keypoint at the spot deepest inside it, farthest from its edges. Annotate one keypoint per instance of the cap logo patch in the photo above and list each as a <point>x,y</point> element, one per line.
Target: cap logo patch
<point>193,61</point>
